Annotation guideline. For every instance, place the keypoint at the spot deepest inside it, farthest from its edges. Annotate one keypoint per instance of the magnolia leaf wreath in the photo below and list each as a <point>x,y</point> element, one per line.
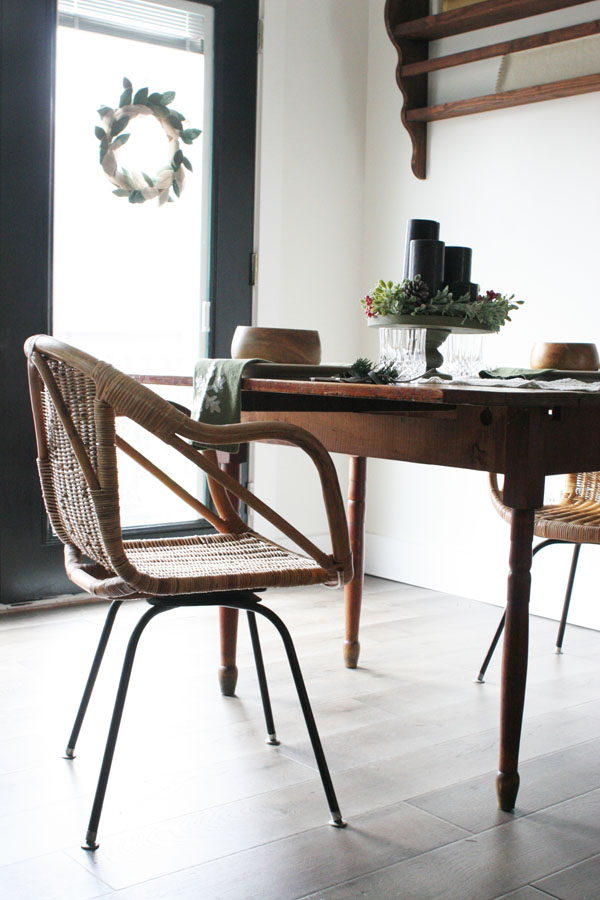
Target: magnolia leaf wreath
<point>139,187</point>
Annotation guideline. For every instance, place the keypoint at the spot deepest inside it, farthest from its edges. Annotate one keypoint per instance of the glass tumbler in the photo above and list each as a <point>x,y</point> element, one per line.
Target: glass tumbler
<point>405,348</point>
<point>463,355</point>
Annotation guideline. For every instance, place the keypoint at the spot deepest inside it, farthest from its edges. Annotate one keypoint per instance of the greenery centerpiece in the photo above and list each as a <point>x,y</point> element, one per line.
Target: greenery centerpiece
<point>410,304</point>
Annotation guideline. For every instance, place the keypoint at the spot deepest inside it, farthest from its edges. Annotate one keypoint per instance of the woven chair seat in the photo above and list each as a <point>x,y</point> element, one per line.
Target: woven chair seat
<point>577,521</point>
<point>575,518</point>
<point>223,562</point>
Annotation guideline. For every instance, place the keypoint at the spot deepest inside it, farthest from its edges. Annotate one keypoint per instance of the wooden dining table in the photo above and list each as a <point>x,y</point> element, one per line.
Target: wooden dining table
<point>523,434</point>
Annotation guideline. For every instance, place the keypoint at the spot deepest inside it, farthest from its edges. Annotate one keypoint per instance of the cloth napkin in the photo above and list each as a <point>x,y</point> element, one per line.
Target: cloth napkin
<point>217,389</point>
<point>504,372</point>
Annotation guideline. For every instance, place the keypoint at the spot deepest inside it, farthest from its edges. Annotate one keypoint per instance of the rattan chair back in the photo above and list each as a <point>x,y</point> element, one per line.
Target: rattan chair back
<point>76,484</point>
<point>76,400</point>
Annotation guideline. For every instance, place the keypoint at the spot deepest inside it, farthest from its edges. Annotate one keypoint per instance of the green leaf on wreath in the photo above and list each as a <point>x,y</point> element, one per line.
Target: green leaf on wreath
<point>99,132</point>
<point>127,84</point>
<point>119,125</point>
<point>149,181</point>
<point>174,121</point>
<point>161,112</point>
<point>176,189</point>
<point>121,192</point>
<point>105,111</point>
<point>187,164</point>
<point>178,158</point>
<point>179,115</point>
<point>137,197</point>
<point>125,98</point>
<point>141,96</point>
<point>168,97</point>
<point>118,142</point>
<point>154,99</point>
<point>190,134</point>
<point>128,179</point>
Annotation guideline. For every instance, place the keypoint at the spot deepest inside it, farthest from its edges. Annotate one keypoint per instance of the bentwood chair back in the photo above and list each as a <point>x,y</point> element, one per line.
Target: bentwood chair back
<point>76,401</point>
<point>575,519</point>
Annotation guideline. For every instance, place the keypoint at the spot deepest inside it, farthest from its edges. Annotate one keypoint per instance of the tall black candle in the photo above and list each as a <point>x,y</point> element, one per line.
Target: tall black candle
<point>419,229</point>
<point>457,264</point>
<point>426,258</point>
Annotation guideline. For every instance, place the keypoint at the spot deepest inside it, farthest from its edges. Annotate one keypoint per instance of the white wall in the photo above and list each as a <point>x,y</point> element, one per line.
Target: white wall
<point>522,187</point>
<point>311,188</point>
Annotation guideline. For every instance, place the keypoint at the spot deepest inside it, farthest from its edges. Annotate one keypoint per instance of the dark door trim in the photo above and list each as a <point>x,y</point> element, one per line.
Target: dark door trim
<point>30,565</point>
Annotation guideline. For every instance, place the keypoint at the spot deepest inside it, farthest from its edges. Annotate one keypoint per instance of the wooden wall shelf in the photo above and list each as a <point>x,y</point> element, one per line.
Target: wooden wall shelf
<point>411,28</point>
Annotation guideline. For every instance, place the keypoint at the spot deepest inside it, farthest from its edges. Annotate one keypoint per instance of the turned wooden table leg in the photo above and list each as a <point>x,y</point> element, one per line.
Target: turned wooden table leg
<point>514,661</point>
<point>228,621</point>
<point>356,523</point>
<point>228,672</point>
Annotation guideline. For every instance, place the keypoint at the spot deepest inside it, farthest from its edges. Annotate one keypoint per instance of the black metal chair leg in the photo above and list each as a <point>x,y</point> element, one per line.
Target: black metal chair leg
<point>480,678</point>
<point>108,624</point>
<point>90,838</point>
<point>336,816</point>
<point>262,680</point>
<point>566,604</point>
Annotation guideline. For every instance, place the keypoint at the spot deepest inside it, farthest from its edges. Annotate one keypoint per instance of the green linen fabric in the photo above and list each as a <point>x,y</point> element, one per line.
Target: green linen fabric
<point>534,374</point>
<point>217,388</point>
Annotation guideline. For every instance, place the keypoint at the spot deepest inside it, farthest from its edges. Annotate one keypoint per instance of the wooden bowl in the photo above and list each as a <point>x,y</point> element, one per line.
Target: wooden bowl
<point>281,345</point>
<point>582,357</point>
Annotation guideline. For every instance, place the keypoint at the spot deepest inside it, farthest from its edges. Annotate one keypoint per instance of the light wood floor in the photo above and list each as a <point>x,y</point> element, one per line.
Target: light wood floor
<point>200,808</point>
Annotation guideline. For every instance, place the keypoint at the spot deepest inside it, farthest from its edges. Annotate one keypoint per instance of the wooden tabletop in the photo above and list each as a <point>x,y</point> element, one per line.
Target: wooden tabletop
<point>446,393</point>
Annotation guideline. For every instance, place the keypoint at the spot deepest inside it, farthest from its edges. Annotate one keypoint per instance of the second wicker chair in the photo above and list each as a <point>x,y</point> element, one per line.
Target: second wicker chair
<point>575,520</point>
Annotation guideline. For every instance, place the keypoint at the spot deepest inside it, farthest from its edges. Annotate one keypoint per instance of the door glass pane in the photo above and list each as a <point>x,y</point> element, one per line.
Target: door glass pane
<point>131,278</point>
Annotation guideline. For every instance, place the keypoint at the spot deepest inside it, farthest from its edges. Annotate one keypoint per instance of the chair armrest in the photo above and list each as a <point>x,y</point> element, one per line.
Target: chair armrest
<point>497,498</point>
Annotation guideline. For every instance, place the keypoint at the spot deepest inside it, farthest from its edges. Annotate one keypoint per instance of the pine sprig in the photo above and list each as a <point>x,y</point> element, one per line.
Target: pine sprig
<point>377,373</point>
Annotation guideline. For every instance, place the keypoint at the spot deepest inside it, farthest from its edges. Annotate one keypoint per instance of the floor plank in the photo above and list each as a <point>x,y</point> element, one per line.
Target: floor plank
<point>198,806</point>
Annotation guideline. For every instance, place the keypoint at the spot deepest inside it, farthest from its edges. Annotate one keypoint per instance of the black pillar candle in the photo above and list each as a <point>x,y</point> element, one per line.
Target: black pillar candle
<point>457,265</point>
<point>419,229</point>
<point>426,258</point>
<point>459,289</point>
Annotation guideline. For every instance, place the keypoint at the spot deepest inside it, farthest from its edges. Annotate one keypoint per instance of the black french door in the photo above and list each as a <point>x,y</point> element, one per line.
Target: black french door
<point>30,559</point>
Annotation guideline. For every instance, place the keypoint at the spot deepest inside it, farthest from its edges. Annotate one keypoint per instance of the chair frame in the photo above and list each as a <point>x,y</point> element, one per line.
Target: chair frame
<point>564,522</point>
<point>114,576</point>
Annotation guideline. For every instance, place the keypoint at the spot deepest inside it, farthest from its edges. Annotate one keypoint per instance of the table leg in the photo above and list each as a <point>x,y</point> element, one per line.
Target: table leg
<point>356,523</point>
<point>228,621</point>
<point>514,660</point>
<point>228,673</point>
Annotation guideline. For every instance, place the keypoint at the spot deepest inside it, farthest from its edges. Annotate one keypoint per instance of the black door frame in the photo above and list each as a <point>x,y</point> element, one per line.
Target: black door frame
<point>31,564</point>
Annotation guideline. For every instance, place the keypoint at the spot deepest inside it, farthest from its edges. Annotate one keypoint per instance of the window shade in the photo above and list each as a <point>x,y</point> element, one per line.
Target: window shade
<point>179,24</point>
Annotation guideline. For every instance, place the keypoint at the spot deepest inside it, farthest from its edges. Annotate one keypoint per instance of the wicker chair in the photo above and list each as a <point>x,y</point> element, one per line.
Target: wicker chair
<point>75,401</point>
<point>575,519</point>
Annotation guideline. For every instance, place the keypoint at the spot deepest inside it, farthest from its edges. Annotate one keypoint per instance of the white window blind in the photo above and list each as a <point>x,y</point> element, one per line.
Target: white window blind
<point>175,24</point>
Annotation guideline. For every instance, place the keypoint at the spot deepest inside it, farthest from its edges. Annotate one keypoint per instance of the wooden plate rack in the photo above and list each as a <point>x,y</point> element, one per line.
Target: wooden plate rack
<point>411,28</point>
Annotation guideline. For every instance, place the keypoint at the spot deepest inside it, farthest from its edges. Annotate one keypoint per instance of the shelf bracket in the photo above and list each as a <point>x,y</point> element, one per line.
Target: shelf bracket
<point>413,90</point>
